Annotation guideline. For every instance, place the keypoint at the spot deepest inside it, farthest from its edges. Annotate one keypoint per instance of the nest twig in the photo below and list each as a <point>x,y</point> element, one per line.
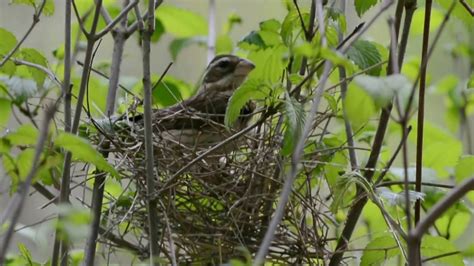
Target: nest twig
<point>219,208</point>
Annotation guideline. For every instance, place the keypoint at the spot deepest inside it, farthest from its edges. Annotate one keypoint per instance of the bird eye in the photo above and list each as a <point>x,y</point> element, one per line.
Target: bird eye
<point>223,64</point>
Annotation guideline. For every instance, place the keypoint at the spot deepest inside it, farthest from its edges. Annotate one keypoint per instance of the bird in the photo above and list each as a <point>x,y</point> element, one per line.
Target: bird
<point>183,130</point>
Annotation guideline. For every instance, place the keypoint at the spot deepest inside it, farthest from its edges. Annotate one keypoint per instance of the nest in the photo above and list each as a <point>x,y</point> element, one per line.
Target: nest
<point>216,207</point>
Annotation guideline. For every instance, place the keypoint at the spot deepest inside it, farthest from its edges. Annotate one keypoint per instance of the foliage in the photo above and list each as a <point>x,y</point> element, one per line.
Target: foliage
<point>238,200</point>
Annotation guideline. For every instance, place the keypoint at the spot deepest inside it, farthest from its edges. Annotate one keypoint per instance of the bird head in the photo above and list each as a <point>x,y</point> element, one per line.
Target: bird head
<point>226,73</point>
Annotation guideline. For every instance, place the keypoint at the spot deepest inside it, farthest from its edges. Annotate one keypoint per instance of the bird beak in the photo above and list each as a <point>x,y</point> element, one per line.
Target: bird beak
<point>244,67</point>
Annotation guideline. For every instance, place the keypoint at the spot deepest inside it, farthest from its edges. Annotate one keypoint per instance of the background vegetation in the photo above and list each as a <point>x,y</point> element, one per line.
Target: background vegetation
<point>372,137</point>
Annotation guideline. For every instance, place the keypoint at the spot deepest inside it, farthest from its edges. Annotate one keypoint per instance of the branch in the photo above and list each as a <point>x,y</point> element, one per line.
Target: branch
<point>16,204</point>
<point>438,209</point>
<point>36,19</point>
<point>297,153</point>
<point>116,20</point>
<point>151,203</point>
<point>211,37</point>
<point>467,7</point>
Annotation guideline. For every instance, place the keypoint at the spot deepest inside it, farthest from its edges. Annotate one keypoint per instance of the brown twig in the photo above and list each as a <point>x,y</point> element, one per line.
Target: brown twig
<point>16,204</point>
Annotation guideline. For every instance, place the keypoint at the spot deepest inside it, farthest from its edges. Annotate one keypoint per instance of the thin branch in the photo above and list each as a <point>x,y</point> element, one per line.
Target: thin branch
<point>117,19</point>
<point>41,68</point>
<point>61,246</point>
<point>79,20</point>
<point>151,203</point>
<point>296,156</point>
<point>136,24</point>
<point>16,204</point>
<point>36,19</point>
<point>437,210</point>
<point>428,184</point>
<point>421,105</point>
<point>467,7</point>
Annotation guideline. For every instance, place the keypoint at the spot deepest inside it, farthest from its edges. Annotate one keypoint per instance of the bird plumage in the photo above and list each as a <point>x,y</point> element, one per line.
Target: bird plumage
<point>199,120</point>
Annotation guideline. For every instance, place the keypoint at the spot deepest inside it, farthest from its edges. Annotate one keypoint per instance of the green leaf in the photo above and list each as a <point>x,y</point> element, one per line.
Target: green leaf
<point>464,168</point>
<point>5,111</point>
<point>26,134</point>
<point>441,150</point>
<point>251,89</point>
<point>8,68</point>
<point>432,246</point>
<point>178,44</point>
<point>252,41</point>
<point>362,6</point>
<point>232,20</point>
<point>294,121</point>
<point>417,24</point>
<point>24,162</point>
<point>8,41</point>
<point>34,56</point>
<point>459,12</point>
<point>269,64</point>
<point>365,54</point>
<point>48,9</point>
<point>180,22</point>
<point>359,106</point>
<point>159,31</point>
<point>336,58</point>
<point>379,250</point>
<point>383,89</point>
<point>169,91</point>
<point>83,151</point>
<point>24,2</point>
<point>223,44</point>
<point>25,253</point>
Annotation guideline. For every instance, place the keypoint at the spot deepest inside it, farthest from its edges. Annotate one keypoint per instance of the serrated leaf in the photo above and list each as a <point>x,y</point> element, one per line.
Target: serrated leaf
<point>365,54</point>
<point>379,250</point>
<point>26,134</point>
<point>180,22</point>
<point>252,89</point>
<point>5,111</point>
<point>34,56</point>
<point>252,41</point>
<point>362,6</point>
<point>83,151</point>
<point>8,41</point>
<point>269,64</point>
<point>294,121</point>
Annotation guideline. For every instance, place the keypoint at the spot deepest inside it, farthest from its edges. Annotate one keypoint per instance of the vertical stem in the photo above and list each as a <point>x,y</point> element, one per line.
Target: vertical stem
<point>152,203</point>
<point>347,124</point>
<point>211,36</point>
<point>60,245</point>
<point>421,106</point>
